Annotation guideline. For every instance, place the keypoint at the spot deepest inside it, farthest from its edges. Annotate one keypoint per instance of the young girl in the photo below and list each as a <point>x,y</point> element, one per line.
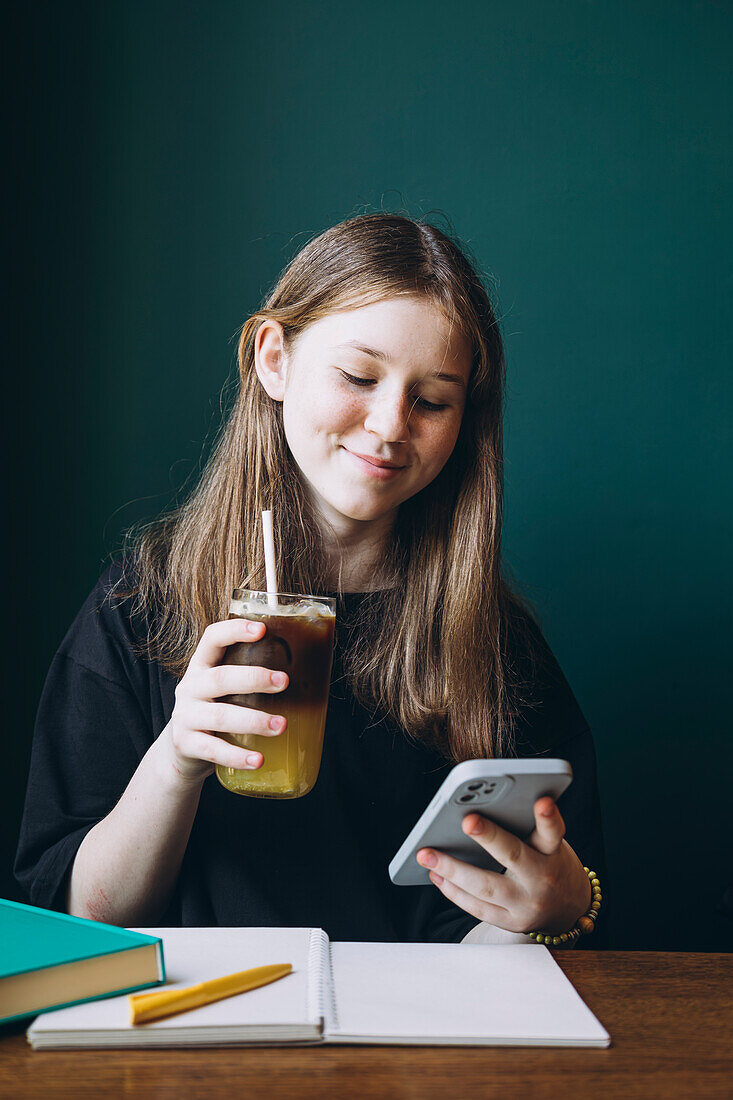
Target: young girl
<point>369,420</point>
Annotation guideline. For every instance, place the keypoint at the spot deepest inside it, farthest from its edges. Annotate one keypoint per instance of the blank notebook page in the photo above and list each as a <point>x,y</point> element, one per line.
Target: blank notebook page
<point>456,992</point>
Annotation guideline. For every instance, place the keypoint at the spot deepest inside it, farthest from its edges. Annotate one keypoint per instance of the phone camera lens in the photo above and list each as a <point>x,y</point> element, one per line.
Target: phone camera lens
<point>466,797</point>
<point>473,787</point>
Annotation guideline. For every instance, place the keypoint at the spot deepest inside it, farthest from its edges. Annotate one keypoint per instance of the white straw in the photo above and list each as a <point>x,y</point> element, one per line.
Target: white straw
<point>270,573</point>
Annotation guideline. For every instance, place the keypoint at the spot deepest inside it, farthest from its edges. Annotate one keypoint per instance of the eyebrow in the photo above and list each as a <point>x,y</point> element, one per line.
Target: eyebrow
<point>375,353</point>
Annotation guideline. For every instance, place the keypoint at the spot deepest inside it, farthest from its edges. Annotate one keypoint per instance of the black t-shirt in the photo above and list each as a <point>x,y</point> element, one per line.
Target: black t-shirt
<point>320,860</point>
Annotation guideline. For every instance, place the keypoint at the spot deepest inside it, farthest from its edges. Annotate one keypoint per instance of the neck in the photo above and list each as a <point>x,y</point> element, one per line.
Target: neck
<point>355,552</point>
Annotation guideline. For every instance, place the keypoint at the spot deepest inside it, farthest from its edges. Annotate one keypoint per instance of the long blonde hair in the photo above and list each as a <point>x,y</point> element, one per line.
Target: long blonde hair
<point>432,651</point>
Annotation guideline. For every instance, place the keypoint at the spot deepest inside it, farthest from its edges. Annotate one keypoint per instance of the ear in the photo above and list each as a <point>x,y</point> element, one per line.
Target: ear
<point>270,359</point>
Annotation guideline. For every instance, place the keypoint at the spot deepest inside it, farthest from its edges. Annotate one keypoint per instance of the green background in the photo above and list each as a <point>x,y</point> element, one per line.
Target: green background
<point>168,159</point>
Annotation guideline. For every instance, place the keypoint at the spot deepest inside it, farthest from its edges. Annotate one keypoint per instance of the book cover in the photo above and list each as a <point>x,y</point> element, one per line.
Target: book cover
<point>49,960</point>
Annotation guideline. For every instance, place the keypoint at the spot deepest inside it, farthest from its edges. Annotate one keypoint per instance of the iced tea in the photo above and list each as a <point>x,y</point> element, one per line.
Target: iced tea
<point>298,640</point>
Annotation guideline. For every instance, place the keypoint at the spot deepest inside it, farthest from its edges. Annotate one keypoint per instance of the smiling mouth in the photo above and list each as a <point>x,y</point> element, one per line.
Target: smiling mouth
<point>374,467</point>
<point>380,463</point>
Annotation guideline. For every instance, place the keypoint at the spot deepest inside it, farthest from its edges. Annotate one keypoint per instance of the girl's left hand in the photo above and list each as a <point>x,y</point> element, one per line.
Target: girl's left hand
<point>544,887</point>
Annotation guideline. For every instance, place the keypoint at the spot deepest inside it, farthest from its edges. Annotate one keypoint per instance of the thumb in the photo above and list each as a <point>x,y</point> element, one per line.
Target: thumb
<point>549,827</point>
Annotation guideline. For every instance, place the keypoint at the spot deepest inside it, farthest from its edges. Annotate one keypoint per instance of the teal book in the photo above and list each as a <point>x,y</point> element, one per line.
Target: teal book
<point>50,960</point>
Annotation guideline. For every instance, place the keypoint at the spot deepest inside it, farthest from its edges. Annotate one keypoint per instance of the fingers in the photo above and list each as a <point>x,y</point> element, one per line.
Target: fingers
<point>549,827</point>
<point>483,910</point>
<point>213,683</point>
<point>486,886</point>
<point>218,636</point>
<point>205,726</point>
<point>229,718</point>
<point>507,849</point>
<point>533,893</point>
<point>215,750</point>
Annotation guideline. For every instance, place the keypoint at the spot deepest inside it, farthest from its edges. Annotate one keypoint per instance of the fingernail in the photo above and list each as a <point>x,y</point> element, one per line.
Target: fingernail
<point>276,723</point>
<point>253,759</point>
<point>252,628</point>
<point>278,679</point>
<point>477,827</point>
<point>429,859</point>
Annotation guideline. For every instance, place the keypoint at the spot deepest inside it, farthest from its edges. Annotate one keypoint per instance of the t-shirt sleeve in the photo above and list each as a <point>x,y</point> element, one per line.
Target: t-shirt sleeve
<point>91,733</point>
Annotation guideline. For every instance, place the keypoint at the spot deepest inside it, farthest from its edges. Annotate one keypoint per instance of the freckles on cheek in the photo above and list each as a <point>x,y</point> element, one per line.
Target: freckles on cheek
<point>338,413</point>
<point>440,442</point>
<point>345,406</point>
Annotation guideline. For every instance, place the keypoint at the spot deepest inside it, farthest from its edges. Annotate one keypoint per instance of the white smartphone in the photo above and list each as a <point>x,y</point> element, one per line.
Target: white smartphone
<point>505,791</point>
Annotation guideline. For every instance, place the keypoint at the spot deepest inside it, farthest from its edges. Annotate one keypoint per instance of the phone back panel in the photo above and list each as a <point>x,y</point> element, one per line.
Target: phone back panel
<point>504,791</point>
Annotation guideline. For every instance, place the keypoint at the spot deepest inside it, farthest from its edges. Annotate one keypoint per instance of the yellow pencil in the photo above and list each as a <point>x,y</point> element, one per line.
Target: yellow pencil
<point>145,1007</point>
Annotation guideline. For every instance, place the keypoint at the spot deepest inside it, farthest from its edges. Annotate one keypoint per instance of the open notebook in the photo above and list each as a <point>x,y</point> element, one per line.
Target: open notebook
<point>408,993</point>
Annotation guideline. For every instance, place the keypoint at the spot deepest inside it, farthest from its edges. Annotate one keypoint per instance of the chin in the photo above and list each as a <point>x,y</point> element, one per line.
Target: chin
<point>360,512</point>
<point>362,515</point>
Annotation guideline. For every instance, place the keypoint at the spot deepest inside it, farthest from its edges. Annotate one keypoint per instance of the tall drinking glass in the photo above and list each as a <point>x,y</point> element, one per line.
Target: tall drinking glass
<point>298,640</point>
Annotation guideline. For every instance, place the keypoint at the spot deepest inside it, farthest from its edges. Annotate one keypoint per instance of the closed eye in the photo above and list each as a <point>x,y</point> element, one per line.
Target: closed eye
<point>354,380</point>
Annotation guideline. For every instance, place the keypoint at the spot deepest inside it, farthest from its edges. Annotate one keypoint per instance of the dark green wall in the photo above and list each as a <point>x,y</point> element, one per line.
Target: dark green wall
<point>169,158</point>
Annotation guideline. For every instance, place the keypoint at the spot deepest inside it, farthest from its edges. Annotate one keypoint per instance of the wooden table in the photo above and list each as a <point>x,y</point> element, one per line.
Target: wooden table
<point>670,1017</point>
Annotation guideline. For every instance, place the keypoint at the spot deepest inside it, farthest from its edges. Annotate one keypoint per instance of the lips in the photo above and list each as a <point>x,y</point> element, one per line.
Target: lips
<point>378,469</point>
<point>382,463</point>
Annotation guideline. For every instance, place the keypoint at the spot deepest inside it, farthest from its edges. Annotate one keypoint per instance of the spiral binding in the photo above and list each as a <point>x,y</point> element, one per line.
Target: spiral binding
<point>321,992</point>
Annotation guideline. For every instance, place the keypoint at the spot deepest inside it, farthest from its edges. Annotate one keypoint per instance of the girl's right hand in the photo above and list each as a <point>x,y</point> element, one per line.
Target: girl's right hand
<point>189,739</point>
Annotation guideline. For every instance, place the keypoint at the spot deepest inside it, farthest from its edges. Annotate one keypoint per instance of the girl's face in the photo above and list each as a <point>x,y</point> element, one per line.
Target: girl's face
<point>372,404</point>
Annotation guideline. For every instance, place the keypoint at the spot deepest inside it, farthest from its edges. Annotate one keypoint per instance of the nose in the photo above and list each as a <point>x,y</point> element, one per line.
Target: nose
<point>388,416</point>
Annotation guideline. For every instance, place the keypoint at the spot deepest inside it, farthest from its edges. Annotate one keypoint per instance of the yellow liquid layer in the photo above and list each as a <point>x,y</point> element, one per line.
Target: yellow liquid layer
<point>291,759</point>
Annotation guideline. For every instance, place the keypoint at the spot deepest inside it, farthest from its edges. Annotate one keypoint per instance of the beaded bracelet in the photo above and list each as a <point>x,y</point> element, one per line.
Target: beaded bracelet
<point>584,925</point>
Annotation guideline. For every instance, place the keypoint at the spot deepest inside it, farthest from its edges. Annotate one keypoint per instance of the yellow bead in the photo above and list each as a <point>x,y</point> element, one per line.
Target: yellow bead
<point>564,937</point>
<point>596,905</point>
<point>556,941</point>
<point>548,941</point>
<point>594,882</point>
<point>591,874</point>
<point>586,870</point>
